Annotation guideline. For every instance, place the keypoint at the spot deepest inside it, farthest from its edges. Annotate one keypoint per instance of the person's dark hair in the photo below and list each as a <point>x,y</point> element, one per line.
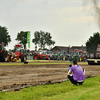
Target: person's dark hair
<point>70,65</point>
<point>75,62</point>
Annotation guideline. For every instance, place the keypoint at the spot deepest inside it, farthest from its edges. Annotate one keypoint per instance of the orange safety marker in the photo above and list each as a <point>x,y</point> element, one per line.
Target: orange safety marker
<point>49,59</point>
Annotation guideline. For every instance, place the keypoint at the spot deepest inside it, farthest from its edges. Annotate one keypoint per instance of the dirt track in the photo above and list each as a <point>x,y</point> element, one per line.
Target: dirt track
<point>14,77</point>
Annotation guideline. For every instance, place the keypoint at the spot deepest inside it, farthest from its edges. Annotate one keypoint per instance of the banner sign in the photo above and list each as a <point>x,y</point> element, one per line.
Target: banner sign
<point>28,39</point>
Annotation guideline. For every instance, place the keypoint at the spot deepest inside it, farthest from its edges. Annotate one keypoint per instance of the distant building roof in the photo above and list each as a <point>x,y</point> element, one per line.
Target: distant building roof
<point>77,46</point>
<point>60,48</point>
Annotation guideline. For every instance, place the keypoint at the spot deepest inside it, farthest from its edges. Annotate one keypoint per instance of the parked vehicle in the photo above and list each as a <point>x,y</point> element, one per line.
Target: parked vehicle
<point>64,55</point>
<point>50,54</point>
<point>79,55</point>
<point>3,54</point>
<point>61,55</point>
<point>95,57</point>
<point>11,57</point>
<point>41,55</point>
<point>21,53</point>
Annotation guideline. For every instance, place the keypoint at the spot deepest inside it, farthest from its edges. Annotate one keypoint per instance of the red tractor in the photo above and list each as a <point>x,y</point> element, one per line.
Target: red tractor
<point>19,53</point>
<point>40,55</point>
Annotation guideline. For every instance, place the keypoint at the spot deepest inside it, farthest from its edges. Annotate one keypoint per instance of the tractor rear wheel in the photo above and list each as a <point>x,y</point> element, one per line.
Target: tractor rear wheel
<point>2,57</point>
<point>22,58</point>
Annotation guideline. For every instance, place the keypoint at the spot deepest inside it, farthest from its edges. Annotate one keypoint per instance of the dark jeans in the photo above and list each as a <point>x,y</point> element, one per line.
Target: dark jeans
<point>73,81</point>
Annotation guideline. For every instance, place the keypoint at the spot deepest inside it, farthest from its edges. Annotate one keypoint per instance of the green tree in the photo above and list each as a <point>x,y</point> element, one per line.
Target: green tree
<point>92,43</point>
<point>4,36</point>
<point>42,39</point>
<point>48,40</point>
<point>22,38</point>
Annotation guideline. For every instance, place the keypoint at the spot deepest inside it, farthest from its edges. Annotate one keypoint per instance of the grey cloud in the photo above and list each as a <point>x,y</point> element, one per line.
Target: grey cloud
<point>45,1</point>
<point>96,6</point>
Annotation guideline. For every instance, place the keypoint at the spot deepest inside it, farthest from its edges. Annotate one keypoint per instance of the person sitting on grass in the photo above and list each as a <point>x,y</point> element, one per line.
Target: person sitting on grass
<point>78,75</point>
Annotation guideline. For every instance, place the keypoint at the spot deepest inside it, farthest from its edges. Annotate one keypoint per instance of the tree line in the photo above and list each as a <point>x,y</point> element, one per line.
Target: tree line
<point>43,39</point>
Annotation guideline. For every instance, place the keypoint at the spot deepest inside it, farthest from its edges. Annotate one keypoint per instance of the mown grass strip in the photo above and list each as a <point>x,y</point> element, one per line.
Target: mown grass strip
<point>29,63</point>
<point>39,62</point>
<point>90,90</point>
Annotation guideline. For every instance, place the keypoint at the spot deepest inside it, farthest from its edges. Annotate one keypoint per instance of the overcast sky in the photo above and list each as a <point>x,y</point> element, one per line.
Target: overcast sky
<point>70,22</point>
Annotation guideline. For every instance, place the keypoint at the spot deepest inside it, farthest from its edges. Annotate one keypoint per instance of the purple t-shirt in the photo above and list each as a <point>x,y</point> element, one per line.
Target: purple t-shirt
<point>78,74</point>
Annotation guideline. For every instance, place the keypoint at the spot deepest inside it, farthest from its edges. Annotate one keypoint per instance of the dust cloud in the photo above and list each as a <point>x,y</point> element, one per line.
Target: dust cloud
<point>95,5</point>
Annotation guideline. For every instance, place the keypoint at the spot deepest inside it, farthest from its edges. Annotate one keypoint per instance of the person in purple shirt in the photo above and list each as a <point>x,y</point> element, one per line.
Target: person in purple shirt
<point>78,75</point>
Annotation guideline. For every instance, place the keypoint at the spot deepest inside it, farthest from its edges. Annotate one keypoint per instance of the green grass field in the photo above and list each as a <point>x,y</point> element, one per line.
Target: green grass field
<point>30,62</point>
<point>90,90</point>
